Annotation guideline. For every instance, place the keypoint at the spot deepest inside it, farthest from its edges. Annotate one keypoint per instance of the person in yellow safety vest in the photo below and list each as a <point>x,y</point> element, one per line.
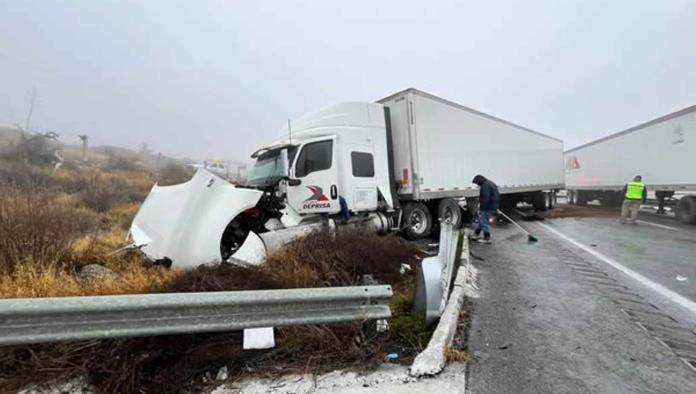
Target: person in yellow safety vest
<point>635,193</point>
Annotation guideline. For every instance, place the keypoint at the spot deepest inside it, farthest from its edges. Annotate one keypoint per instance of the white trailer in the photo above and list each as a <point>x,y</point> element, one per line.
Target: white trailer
<point>662,151</point>
<point>439,146</point>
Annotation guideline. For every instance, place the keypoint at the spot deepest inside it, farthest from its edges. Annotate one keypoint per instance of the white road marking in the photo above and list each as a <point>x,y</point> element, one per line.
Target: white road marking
<point>658,225</point>
<point>656,287</point>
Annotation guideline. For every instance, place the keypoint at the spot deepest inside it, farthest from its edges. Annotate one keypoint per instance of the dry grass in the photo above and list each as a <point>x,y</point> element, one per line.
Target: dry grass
<point>458,356</point>
<point>317,260</point>
<point>36,228</point>
<point>31,280</point>
<point>54,221</point>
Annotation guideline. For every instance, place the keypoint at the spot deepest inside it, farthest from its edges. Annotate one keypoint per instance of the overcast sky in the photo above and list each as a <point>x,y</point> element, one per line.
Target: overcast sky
<point>219,78</point>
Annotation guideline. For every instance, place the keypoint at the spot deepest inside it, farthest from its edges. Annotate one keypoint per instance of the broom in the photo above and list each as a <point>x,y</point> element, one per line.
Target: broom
<point>530,237</point>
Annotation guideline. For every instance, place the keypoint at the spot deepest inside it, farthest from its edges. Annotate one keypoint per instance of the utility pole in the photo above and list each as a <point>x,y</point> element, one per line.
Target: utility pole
<point>31,110</point>
<point>84,138</point>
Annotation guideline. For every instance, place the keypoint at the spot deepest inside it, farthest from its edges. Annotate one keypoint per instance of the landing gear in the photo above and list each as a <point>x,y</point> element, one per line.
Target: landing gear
<point>661,196</point>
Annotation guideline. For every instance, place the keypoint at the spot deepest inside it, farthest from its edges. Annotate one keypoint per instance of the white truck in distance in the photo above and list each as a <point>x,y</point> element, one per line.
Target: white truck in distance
<point>662,151</point>
<point>397,164</point>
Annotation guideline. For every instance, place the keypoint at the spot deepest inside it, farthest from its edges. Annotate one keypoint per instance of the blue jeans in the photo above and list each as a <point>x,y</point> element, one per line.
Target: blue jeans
<point>484,222</point>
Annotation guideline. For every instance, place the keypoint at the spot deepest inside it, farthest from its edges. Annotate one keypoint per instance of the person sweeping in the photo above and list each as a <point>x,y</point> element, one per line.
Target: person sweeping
<point>489,200</point>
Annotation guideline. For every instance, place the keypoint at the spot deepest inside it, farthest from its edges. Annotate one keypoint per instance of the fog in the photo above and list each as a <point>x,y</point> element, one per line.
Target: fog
<point>208,79</point>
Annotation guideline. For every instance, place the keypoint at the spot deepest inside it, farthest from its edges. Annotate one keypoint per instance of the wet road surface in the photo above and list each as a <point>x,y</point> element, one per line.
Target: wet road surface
<point>554,318</point>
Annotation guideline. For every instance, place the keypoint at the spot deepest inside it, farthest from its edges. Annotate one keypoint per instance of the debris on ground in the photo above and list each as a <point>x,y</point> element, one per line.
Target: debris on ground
<point>95,272</point>
<point>222,374</point>
<point>391,357</point>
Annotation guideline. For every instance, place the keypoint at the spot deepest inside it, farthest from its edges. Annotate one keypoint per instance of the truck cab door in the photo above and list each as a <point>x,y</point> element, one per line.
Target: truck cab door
<point>313,183</point>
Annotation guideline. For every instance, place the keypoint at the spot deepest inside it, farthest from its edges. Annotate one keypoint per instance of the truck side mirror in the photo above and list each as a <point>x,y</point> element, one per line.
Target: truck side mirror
<point>294,182</point>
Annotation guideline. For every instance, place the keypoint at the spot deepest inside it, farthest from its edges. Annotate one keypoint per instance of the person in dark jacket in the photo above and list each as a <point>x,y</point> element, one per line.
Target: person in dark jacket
<point>489,199</point>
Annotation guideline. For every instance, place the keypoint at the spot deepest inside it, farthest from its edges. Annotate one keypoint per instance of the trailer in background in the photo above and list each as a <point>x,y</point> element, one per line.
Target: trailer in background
<point>662,151</point>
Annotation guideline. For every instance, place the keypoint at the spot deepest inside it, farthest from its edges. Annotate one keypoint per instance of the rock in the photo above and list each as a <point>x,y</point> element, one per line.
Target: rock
<point>95,272</point>
<point>76,386</point>
<point>382,325</point>
<point>222,374</point>
<point>368,280</point>
<point>479,355</point>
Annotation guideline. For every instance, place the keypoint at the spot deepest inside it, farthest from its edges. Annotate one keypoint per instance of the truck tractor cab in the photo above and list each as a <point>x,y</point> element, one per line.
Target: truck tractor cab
<point>338,154</point>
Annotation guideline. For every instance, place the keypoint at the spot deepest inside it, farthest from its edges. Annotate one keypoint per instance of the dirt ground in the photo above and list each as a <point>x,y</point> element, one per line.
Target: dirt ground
<point>586,211</point>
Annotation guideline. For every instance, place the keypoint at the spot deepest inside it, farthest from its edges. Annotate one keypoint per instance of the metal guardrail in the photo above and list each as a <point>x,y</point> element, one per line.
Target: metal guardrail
<point>435,277</point>
<point>39,320</point>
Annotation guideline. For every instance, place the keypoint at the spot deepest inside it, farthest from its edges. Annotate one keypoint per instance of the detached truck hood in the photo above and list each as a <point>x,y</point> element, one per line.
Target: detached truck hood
<point>185,222</point>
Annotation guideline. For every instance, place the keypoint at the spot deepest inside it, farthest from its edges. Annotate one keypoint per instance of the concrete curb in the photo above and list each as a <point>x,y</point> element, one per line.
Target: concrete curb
<point>432,360</point>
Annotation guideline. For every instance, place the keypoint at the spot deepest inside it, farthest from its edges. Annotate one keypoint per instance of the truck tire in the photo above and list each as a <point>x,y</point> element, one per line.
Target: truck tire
<point>539,201</point>
<point>580,198</point>
<point>449,209</point>
<point>686,210</point>
<point>417,220</point>
<point>612,199</point>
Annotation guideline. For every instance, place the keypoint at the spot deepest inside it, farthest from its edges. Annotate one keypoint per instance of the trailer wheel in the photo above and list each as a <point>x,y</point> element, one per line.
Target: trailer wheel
<point>611,199</point>
<point>539,201</point>
<point>417,220</point>
<point>551,199</point>
<point>580,198</point>
<point>449,209</point>
<point>686,210</point>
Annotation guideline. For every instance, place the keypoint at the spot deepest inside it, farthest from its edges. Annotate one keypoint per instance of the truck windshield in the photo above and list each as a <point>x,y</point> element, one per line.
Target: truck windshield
<point>269,167</point>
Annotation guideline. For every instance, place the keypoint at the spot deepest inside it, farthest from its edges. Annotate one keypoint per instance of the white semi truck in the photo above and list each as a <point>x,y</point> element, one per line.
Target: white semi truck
<point>397,164</point>
<point>662,151</point>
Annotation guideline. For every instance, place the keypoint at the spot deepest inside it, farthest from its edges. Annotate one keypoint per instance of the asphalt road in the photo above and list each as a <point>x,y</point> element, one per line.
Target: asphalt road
<point>658,248</point>
<point>594,306</point>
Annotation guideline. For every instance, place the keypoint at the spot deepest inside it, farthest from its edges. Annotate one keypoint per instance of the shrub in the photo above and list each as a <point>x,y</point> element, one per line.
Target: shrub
<point>173,174</point>
<point>116,162</point>
<point>318,260</point>
<point>101,191</point>
<point>37,229</point>
<point>21,174</point>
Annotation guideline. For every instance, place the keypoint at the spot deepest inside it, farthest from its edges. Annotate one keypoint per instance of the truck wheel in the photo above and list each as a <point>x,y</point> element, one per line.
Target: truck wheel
<point>449,209</point>
<point>417,220</point>
<point>580,198</point>
<point>686,210</point>
<point>550,199</point>
<point>610,199</point>
<point>539,202</point>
